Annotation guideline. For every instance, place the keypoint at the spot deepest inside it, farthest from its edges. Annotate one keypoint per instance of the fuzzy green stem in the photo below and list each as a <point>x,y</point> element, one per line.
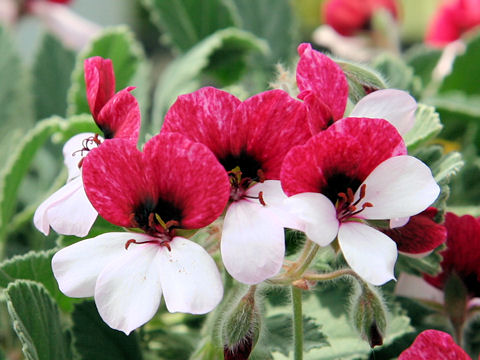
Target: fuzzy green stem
<point>329,276</point>
<point>297,323</point>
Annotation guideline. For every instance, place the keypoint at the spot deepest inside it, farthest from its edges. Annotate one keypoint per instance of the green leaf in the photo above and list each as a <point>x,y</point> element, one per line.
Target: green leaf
<point>457,102</point>
<point>427,125</point>
<point>422,60</point>
<point>361,78</point>
<point>448,166</point>
<point>464,70</point>
<point>117,44</point>
<point>36,321</point>
<point>18,164</point>
<point>280,332</point>
<point>187,22</point>
<point>36,266</point>
<point>93,339</point>
<point>429,264</point>
<point>52,71</point>
<point>279,31</point>
<point>182,75</point>
<point>15,98</point>
<point>397,74</point>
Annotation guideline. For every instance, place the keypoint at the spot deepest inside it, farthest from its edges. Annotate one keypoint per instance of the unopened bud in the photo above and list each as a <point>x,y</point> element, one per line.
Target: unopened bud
<point>456,299</point>
<point>369,315</point>
<point>241,328</point>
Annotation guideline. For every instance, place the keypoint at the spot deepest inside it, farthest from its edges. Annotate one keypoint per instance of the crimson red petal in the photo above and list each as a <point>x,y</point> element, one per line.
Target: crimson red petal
<point>113,180</point>
<point>462,255</point>
<point>188,175</point>
<point>420,235</point>
<point>266,126</point>
<point>319,76</point>
<point>351,148</point>
<point>120,117</point>
<point>204,116</point>
<point>99,81</point>
<point>434,344</point>
<point>348,17</point>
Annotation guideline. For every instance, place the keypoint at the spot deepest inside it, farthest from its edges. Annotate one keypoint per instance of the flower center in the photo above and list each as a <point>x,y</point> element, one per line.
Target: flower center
<point>240,184</point>
<point>159,219</point>
<point>347,207</point>
<point>87,145</point>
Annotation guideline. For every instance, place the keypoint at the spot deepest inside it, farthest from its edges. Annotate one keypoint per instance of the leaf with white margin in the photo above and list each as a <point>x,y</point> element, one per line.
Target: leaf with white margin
<point>128,290</point>
<point>369,252</point>
<point>400,186</point>
<point>253,242</point>
<point>190,279</point>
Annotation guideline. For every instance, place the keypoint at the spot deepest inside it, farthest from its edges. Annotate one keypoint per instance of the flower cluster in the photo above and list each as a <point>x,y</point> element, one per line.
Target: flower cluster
<point>261,165</point>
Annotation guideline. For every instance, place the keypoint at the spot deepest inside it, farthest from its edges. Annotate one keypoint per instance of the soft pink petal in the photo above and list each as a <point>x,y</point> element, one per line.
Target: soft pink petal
<point>72,153</point>
<point>417,288</point>
<point>434,344</point>
<point>128,290</point>
<point>77,266</point>
<point>265,127</point>
<point>68,211</point>
<point>323,78</point>
<point>370,253</point>
<point>400,186</point>
<point>253,242</point>
<point>398,222</point>
<point>99,81</point>
<point>114,181</point>
<point>187,175</point>
<point>396,106</point>
<point>204,116</point>
<point>120,117</point>
<point>317,216</point>
<point>190,279</point>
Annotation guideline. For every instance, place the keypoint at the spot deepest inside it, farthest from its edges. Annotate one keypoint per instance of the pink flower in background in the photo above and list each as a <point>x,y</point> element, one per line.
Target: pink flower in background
<point>173,184</point>
<point>452,19</point>
<point>434,345</point>
<point>324,89</point>
<point>68,211</point>
<point>356,170</point>
<point>250,139</point>
<point>349,17</point>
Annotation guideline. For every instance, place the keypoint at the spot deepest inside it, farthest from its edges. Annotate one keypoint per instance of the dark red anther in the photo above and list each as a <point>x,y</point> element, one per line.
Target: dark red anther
<point>363,190</point>
<point>80,163</point>
<point>129,242</point>
<point>171,223</point>
<point>166,244</point>
<point>367,204</point>
<point>350,195</point>
<point>261,175</point>
<point>260,198</point>
<point>342,196</point>
<point>151,221</point>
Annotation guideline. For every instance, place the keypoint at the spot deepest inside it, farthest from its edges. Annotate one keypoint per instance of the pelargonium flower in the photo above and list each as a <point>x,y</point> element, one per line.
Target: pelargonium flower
<point>173,184</point>
<point>324,89</point>
<point>434,344</point>
<point>451,20</point>
<point>349,17</point>
<point>68,210</point>
<point>356,170</point>
<point>250,139</point>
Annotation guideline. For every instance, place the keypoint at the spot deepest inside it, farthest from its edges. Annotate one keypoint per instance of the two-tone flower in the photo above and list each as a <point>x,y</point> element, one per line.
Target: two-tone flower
<point>351,173</point>
<point>173,185</point>
<point>250,139</point>
<point>68,211</point>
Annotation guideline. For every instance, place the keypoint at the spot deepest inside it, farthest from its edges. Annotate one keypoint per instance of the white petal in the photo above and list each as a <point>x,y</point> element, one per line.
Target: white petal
<point>77,266</point>
<point>72,153</point>
<point>128,290</point>
<point>274,198</point>
<point>68,211</point>
<point>415,287</point>
<point>190,279</point>
<point>317,214</point>
<point>395,106</point>
<point>369,252</point>
<point>253,242</point>
<point>399,222</point>
<point>401,186</point>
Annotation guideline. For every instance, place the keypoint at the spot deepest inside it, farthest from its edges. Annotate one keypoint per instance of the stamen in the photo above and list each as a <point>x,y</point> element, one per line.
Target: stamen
<point>261,175</point>
<point>260,198</point>
<point>133,241</point>
<point>346,208</point>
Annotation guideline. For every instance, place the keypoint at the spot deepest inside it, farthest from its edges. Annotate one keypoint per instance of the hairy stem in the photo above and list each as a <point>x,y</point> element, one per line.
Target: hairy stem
<point>297,323</point>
